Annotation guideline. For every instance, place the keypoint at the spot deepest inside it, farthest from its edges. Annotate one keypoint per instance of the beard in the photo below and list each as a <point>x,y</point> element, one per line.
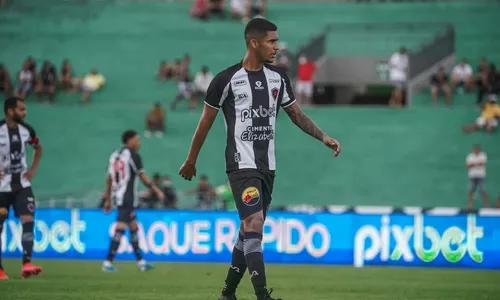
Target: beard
<point>17,118</point>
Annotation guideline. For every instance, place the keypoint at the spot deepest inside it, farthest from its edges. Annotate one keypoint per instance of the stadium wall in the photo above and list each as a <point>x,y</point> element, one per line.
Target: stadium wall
<point>465,241</point>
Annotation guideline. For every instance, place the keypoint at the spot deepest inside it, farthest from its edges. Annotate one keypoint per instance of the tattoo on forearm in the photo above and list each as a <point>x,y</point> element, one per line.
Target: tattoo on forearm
<point>303,121</point>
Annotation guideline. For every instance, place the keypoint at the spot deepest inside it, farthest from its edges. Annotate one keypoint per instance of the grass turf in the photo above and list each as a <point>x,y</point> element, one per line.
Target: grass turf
<point>83,280</point>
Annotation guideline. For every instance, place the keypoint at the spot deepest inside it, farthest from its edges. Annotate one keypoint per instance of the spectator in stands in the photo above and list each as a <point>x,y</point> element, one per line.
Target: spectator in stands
<point>461,76</point>
<point>165,72</point>
<point>67,75</point>
<point>439,83</point>
<point>489,83</point>
<point>217,8</point>
<point>31,64</point>
<point>202,81</point>
<point>184,91</point>
<point>304,87</point>
<point>4,81</point>
<point>489,116</point>
<point>482,69</point>
<point>245,9</point>
<point>200,10</point>
<point>25,79</point>
<point>170,201</point>
<point>90,84</point>
<point>180,71</point>
<point>205,194</point>
<point>155,121</point>
<point>47,82</point>
<point>283,60</point>
<point>476,166</point>
<point>398,68</point>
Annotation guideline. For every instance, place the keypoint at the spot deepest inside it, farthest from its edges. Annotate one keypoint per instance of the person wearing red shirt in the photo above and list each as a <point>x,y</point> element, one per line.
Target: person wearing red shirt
<point>304,86</point>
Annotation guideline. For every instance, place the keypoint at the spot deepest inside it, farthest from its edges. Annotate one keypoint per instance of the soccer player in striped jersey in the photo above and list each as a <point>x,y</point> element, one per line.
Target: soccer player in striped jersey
<point>124,168</point>
<point>15,178</point>
<point>250,94</point>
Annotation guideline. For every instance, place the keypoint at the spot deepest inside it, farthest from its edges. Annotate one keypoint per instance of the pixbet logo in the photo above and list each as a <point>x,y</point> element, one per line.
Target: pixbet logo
<point>61,236</point>
<point>260,112</point>
<point>454,243</point>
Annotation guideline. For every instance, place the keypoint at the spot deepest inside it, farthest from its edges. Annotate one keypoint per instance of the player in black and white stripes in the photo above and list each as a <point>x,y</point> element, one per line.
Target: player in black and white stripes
<point>15,177</point>
<point>250,95</point>
<point>124,168</point>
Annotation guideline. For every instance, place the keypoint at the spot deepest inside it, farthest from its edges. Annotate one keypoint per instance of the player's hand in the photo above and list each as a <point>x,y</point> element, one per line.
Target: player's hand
<point>107,206</point>
<point>188,170</point>
<point>332,144</point>
<point>29,174</point>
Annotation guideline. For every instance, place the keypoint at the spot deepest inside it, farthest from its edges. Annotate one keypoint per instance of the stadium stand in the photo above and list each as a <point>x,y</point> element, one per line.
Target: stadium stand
<point>411,157</point>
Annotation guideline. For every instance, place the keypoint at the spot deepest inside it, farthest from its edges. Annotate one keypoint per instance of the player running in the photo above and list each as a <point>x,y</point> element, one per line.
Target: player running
<point>250,94</point>
<point>125,166</point>
<point>15,186</point>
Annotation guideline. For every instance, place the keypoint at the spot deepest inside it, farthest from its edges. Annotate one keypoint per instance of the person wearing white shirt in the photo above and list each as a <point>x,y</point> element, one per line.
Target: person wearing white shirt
<point>202,81</point>
<point>476,166</point>
<point>461,75</point>
<point>398,69</point>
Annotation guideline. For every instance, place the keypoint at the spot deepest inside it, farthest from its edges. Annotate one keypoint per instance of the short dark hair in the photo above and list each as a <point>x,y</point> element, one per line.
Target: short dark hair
<point>127,135</point>
<point>258,27</point>
<point>11,102</point>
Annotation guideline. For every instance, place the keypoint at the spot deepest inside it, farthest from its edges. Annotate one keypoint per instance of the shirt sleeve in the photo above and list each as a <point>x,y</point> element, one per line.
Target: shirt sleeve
<point>469,159</point>
<point>137,163</point>
<point>33,138</point>
<point>288,96</point>
<point>217,91</point>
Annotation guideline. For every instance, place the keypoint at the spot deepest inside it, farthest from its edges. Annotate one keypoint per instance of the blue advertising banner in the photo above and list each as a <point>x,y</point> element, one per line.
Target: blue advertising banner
<point>466,241</point>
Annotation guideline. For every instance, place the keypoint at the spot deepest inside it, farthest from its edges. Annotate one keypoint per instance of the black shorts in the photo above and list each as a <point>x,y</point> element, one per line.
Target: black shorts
<point>21,200</point>
<point>252,190</point>
<point>126,215</point>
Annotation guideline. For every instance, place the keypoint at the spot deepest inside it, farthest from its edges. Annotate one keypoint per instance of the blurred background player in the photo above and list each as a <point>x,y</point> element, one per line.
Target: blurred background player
<point>125,166</point>
<point>15,187</point>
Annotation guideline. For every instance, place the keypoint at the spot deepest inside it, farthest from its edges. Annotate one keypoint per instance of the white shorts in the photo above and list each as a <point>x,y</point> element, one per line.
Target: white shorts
<point>481,122</point>
<point>304,87</point>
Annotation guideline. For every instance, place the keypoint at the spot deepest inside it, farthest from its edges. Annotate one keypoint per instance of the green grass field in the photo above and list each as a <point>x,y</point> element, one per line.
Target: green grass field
<point>83,280</point>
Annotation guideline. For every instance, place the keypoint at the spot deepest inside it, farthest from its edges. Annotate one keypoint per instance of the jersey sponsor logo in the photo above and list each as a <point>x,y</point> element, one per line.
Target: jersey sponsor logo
<point>16,155</point>
<point>250,196</point>
<point>258,133</point>
<point>258,85</point>
<point>237,157</point>
<point>242,96</point>
<point>240,83</point>
<point>259,112</point>
<point>271,80</point>
<point>15,138</point>
<point>275,93</point>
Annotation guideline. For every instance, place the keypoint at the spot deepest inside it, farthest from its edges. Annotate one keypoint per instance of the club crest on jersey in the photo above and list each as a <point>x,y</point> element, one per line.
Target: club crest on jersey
<point>250,196</point>
<point>275,93</point>
<point>258,85</point>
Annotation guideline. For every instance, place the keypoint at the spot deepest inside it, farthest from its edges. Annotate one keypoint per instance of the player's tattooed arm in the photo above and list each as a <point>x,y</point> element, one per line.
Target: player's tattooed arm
<point>307,125</point>
<point>303,121</point>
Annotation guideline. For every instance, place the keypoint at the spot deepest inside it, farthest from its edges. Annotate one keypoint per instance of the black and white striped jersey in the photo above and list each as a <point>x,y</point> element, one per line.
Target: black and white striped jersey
<point>124,167</point>
<point>13,142</point>
<point>250,101</point>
